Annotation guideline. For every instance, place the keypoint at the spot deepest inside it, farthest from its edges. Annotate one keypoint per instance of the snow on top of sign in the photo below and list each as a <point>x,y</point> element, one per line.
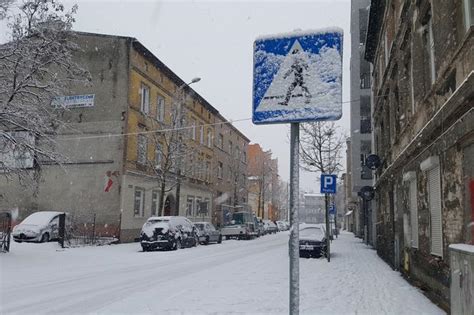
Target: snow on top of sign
<point>297,33</point>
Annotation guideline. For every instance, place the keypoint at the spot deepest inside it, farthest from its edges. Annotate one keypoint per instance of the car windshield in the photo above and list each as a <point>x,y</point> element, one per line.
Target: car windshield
<point>238,218</point>
<point>200,226</point>
<point>313,233</point>
<point>154,221</point>
<point>39,218</point>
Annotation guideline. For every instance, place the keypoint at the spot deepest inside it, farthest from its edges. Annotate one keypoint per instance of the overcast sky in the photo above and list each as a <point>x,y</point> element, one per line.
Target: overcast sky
<point>214,41</point>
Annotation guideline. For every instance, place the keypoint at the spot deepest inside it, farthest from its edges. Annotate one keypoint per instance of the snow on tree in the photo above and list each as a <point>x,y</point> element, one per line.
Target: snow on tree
<point>36,67</point>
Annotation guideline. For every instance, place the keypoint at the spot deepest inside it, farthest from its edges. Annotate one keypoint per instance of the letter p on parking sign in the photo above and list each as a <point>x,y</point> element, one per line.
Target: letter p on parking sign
<point>328,184</point>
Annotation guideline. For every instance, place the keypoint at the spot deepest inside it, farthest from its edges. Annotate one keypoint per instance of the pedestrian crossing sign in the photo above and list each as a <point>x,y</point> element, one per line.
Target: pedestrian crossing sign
<point>298,77</point>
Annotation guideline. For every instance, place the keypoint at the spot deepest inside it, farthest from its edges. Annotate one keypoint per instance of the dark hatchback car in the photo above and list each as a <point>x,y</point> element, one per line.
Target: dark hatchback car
<point>170,233</point>
<point>312,241</point>
<point>208,233</point>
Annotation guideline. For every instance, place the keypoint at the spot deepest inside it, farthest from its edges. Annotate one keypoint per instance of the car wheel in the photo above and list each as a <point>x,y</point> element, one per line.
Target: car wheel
<point>219,240</point>
<point>207,240</point>
<point>45,238</point>
<point>145,248</point>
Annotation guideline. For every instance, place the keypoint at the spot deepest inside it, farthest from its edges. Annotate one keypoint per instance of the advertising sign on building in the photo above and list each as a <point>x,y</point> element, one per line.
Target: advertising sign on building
<point>74,101</point>
<point>298,77</point>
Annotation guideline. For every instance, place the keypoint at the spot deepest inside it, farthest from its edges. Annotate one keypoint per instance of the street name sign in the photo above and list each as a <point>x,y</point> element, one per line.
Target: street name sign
<point>298,77</point>
<point>328,184</point>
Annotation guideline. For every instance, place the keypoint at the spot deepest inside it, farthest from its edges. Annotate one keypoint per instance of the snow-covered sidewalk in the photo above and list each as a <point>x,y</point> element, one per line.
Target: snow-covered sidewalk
<point>238,277</point>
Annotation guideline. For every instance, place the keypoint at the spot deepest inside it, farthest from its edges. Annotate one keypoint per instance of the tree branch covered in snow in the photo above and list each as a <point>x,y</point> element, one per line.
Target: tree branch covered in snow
<point>36,66</point>
<point>321,144</point>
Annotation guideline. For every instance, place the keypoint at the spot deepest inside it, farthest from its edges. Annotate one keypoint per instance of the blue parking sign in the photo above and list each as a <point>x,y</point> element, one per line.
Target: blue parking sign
<point>328,184</point>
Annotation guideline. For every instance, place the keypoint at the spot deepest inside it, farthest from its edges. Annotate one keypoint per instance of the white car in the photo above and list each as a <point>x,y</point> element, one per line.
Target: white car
<point>40,226</point>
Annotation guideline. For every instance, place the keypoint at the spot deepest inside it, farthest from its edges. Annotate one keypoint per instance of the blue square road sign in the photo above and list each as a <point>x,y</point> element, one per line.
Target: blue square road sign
<point>328,184</point>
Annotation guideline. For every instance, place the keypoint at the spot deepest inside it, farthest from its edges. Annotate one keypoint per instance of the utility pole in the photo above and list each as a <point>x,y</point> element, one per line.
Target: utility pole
<point>180,119</point>
<point>328,242</point>
<point>294,250</point>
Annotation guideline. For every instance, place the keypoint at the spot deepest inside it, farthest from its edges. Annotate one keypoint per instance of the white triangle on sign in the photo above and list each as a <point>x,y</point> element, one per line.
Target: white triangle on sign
<point>292,86</point>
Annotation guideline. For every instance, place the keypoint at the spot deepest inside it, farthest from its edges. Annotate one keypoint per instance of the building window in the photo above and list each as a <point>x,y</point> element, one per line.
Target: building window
<point>219,170</point>
<point>139,202</point>
<point>141,149</point>
<point>158,156</point>
<point>365,116</point>
<point>206,206</point>
<point>160,108</point>
<point>209,138</point>
<point>365,148</point>
<point>237,153</point>
<point>201,134</point>
<point>154,202</point>
<point>193,129</point>
<point>220,141</point>
<point>244,157</point>
<point>434,197</point>
<point>468,8</point>
<point>197,206</point>
<point>230,148</point>
<point>428,41</point>
<point>144,98</point>
<point>431,167</point>
<point>189,205</point>
<point>413,213</point>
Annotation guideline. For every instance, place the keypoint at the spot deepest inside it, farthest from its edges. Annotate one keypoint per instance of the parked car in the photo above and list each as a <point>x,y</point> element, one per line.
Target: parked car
<point>281,226</point>
<point>169,232</point>
<point>260,226</point>
<point>38,227</point>
<point>208,233</point>
<point>242,226</point>
<point>312,240</point>
<point>270,227</point>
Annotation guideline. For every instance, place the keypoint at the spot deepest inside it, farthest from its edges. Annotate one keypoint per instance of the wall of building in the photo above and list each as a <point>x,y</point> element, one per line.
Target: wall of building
<point>77,186</point>
<point>423,113</point>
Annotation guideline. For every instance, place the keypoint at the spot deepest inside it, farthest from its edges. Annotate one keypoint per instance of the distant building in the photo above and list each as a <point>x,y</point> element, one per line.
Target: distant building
<point>314,209</point>
<point>361,120</point>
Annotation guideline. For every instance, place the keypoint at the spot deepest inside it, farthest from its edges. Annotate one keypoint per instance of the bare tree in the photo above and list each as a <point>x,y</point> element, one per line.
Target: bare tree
<point>322,144</point>
<point>36,67</point>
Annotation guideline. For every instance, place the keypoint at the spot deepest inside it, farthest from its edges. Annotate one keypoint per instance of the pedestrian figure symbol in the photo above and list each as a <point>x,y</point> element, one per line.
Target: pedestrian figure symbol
<point>297,68</point>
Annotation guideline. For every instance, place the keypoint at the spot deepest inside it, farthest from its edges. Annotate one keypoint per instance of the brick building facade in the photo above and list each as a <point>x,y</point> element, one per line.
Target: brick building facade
<point>423,120</point>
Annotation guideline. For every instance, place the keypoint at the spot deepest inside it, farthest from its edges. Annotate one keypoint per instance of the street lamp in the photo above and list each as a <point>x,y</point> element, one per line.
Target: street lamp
<point>179,125</point>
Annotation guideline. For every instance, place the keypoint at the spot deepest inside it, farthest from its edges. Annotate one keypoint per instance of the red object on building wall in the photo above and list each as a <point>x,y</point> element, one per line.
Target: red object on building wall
<point>108,184</point>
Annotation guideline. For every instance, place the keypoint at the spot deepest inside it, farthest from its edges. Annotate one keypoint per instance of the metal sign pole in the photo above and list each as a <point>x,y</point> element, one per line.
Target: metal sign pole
<point>294,231</point>
<point>328,243</point>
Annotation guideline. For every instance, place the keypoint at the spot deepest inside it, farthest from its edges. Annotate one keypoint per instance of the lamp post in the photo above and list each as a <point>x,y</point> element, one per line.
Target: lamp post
<point>181,103</point>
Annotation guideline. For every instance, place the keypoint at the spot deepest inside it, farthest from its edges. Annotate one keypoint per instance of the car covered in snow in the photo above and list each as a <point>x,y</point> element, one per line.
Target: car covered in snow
<point>208,233</point>
<point>40,227</point>
<point>282,226</point>
<point>270,227</point>
<point>168,232</point>
<point>312,240</point>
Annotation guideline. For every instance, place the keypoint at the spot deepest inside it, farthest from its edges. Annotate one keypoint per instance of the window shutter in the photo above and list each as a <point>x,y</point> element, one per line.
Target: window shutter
<point>413,214</point>
<point>434,191</point>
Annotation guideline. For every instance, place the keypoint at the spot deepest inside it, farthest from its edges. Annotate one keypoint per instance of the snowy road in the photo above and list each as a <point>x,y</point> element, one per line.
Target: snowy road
<point>233,277</point>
